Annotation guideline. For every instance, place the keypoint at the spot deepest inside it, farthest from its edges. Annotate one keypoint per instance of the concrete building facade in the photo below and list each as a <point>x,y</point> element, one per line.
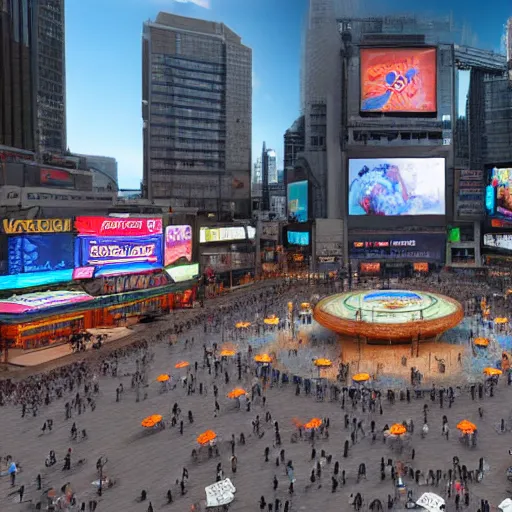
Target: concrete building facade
<point>104,172</point>
<point>197,112</point>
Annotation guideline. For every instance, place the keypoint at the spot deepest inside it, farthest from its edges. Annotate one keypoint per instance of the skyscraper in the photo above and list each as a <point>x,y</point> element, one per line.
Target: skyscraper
<point>272,166</point>
<point>32,70</point>
<point>197,110</point>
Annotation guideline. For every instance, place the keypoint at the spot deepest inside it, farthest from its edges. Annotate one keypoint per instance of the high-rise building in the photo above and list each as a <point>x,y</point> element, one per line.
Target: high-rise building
<point>257,174</point>
<point>508,43</point>
<point>197,111</point>
<point>272,166</point>
<point>32,70</point>
<point>104,171</point>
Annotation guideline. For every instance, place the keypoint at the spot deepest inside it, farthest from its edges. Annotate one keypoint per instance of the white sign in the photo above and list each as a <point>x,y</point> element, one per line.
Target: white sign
<point>269,231</point>
<point>207,235</point>
<point>220,493</point>
<point>498,240</point>
<point>431,502</point>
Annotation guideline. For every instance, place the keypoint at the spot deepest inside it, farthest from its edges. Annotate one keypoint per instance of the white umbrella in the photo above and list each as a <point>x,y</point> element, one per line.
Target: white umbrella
<point>220,493</point>
<point>506,505</point>
<point>431,502</point>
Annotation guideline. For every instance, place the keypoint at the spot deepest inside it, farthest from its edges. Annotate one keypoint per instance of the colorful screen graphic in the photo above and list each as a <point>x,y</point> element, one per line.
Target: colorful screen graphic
<point>498,200</point>
<point>399,80</point>
<point>183,272</point>
<point>397,186</point>
<point>41,300</point>
<point>116,226</point>
<point>209,235</point>
<point>298,201</point>
<point>40,253</point>
<point>298,237</point>
<point>178,245</point>
<point>119,255</point>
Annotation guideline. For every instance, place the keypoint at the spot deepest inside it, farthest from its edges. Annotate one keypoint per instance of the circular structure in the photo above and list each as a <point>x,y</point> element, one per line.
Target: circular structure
<point>389,315</point>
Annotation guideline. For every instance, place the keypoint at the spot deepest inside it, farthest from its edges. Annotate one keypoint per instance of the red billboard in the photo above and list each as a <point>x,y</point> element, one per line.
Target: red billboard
<point>56,178</point>
<point>115,226</point>
<point>399,80</point>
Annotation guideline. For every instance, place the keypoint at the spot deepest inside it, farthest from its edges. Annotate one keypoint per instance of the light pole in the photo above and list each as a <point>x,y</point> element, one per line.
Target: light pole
<point>101,463</point>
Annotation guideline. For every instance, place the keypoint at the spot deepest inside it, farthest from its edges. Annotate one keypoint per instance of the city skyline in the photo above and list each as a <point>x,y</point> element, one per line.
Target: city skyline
<point>104,76</point>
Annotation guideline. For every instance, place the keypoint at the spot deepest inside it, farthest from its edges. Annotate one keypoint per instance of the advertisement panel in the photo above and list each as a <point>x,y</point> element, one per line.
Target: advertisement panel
<point>298,201</point>
<point>470,193</point>
<point>39,253</point>
<point>241,185</point>
<point>209,235</point>
<point>118,255</point>
<point>270,231</point>
<point>498,201</point>
<point>298,237</point>
<point>498,241</point>
<point>28,226</point>
<point>178,245</point>
<point>399,80</point>
<point>396,186</point>
<point>122,284</point>
<point>183,272</point>
<point>41,300</point>
<point>56,178</point>
<point>425,247</point>
<point>115,226</point>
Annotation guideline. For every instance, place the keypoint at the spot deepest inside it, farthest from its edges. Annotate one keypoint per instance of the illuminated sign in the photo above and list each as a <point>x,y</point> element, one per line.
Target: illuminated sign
<point>298,237</point>
<point>420,267</point>
<point>122,284</point>
<point>178,244</point>
<point>18,226</point>
<point>208,235</point>
<point>35,301</point>
<point>326,259</point>
<point>498,241</point>
<point>369,268</point>
<point>115,226</point>
<point>83,273</point>
<point>298,201</point>
<point>56,178</point>
<point>183,272</point>
<point>16,282</point>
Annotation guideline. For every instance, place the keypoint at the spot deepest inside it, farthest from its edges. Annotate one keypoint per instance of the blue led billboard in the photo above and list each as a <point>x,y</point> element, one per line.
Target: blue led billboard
<point>298,237</point>
<point>298,201</point>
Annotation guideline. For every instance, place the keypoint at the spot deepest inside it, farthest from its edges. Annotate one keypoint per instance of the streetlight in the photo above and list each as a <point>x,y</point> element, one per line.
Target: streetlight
<point>99,465</point>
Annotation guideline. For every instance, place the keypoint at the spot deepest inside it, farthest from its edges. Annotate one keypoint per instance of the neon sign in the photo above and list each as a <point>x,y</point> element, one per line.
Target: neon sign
<point>17,226</point>
<point>113,226</point>
<point>35,301</point>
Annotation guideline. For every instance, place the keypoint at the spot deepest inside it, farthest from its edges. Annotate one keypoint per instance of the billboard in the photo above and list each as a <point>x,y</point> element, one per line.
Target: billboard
<point>41,300</point>
<point>270,231</point>
<point>498,241</point>
<point>498,201</point>
<point>178,245</point>
<point>32,226</point>
<point>425,247</point>
<point>115,226</point>
<point>232,233</point>
<point>298,201</point>
<point>39,253</point>
<point>183,272</point>
<point>298,237</point>
<point>396,186</point>
<point>399,80</point>
<point>119,254</point>
<point>470,193</point>
<point>56,178</point>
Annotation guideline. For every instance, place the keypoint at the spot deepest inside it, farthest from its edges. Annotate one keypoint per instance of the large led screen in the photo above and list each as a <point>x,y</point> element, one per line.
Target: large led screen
<point>298,201</point>
<point>178,245</point>
<point>498,201</point>
<point>119,254</point>
<point>399,80</point>
<point>298,237</point>
<point>396,186</point>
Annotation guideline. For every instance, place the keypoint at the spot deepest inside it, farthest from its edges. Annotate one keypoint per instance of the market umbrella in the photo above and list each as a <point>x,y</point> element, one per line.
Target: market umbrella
<point>271,320</point>
<point>206,437</point>
<point>227,353</point>
<point>323,363</point>
<point>501,320</point>
<point>466,426</point>
<point>151,421</point>
<point>481,342</point>
<point>361,377</point>
<point>182,364</point>
<point>237,393</point>
<point>313,423</point>
<point>242,325</point>
<point>505,505</point>
<point>262,358</point>
<point>163,378</point>
<point>397,429</point>
<point>431,502</point>
<point>490,372</point>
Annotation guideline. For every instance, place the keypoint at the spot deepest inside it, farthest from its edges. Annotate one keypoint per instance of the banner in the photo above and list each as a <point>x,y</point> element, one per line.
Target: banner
<point>178,244</point>
<point>39,253</point>
<point>17,226</point>
<point>114,226</point>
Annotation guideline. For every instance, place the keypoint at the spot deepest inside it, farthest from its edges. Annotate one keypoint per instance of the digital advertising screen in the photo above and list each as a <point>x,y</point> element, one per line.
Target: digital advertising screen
<point>298,201</point>
<point>119,255</point>
<point>183,272</point>
<point>498,201</point>
<point>228,234</point>
<point>298,237</point>
<point>396,186</point>
<point>178,245</point>
<point>498,241</point>
<point>399,80</point>
<point>118,226</point>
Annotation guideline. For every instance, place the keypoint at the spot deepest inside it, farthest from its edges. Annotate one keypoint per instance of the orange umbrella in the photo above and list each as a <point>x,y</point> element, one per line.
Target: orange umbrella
<point>151,421</point>
<point>236,393</point>
<point>206,437</point>
<point>361,377</point>
<point>466,426</point>
<point>182,364</point>
<point>397,429</point>
<point>492,371</point>
<point>227,353</point>
<point>163,378</point>
<point>481,342</point>
<point>313,423</point>
<point>271,320</point>
<point>242,325</point>
<point>501,320</point>
<point>263,358</point>
<point>323,363</point>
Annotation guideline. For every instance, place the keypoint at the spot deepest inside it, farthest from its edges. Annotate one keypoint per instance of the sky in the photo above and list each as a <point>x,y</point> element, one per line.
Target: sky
<point>103,64</point>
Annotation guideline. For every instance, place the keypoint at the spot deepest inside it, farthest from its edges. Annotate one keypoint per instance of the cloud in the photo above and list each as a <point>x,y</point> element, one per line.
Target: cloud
<point>205,4</point>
